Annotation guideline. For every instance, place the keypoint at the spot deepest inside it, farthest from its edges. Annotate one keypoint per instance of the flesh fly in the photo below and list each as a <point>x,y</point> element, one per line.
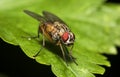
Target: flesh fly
<point>56,31</point>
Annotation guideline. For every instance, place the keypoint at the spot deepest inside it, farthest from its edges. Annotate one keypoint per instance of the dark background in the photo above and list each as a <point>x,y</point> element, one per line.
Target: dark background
<point>14,63</point>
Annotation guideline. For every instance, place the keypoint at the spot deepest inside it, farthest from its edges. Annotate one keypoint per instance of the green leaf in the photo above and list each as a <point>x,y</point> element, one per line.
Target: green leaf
<point>96,26</point>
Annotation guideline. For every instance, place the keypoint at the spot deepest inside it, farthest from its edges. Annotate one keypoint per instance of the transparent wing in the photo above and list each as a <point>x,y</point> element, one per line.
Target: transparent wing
<point>51,17</point>
<point>36,16</point>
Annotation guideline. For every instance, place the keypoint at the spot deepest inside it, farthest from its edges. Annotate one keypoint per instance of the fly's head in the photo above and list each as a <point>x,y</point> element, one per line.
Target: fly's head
<point>68,38</point>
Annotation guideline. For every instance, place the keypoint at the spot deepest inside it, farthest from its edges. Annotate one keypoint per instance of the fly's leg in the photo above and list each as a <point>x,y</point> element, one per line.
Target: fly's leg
<point>43,42</point>
<point>33,37</point>
<point>39,31</point>
<point>38,52</point>
<point>71,49</point>
<point>70,55</point>
<point>63,53</point>
<point>73,59</point>
<point>66,52</point>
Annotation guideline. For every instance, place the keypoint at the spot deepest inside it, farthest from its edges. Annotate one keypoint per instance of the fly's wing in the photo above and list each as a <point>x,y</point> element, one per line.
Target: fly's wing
<point>36,16</point>
<point>52,18</point>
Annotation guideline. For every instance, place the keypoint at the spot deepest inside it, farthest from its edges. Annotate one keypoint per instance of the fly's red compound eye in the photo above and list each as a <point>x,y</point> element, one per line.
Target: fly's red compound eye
<point>65,36</point>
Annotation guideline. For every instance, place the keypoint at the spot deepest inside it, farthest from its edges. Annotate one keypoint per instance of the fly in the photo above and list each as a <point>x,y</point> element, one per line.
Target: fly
<point>56,31</point>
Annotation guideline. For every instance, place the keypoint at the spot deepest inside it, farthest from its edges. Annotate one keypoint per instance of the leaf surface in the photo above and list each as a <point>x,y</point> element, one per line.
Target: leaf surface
<point>96,26</point>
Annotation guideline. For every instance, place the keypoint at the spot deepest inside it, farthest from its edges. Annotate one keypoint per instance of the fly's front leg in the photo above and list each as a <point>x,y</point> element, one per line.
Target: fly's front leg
<point>71,49</point>
<point>70,55</point>
<point>63,52</point>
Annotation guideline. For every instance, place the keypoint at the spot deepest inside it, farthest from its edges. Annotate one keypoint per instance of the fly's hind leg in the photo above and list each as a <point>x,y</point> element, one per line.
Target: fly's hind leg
<point>33,37</point>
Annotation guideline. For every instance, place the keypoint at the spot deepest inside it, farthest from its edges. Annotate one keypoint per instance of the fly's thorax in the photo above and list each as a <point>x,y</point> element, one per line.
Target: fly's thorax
<point>61,26</point>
